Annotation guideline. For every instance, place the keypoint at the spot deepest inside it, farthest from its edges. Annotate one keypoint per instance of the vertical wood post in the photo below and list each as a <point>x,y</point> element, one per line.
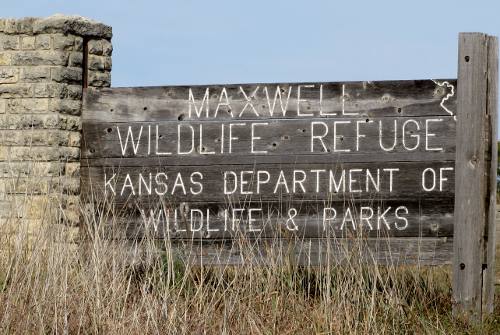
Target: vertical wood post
<point>85,63</point>
<point>475,187</point>
<point>492,107</point>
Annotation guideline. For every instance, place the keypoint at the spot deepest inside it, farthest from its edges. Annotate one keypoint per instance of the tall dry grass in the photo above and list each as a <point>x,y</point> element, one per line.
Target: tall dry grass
<point>112,286</point>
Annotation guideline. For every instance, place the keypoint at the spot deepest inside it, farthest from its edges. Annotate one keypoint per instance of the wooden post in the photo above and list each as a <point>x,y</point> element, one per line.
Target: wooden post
<point>475,187</point>
<point>489,272</point>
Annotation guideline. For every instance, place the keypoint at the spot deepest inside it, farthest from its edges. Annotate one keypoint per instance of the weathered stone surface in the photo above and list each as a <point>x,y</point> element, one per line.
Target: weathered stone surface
<point>50,90</point>
<point>9,75</point>
<point>70,75</point>
<point>100,47</point>
<point>40,57</point>
<point>71,210</point>
<point>95,47</point>
<point>28,42</point>
<point>99,63</point>
<point>4,153</point>
<point>44,153</point>
<point>107,48</point>
<point>3,197</point>
<point>29,168</point>
<point>108,64</point>
<point>40,106</point>
<point>99,79</point>
<point>96,63</point>
<point>58,23</point>
<point>28,228</point>
<point>32,137</point>
<point>63,42</point>
<point>72,169</point>
<point>16,91</point>
<point>74,139</point>
<point>19,26</point>
<point>23,153</point>
<point>63,136</point>
<point>68,122</point>
<point>28,206</point>
<point>9,42</point>
<point>5,58</point>
<point>28,121</point>
<point>18,226</point>
<point>65,106</point>
<point>72,24</point>
<point>78,43</point>
<point>42,42</point>
<point>35,74</point>
<point>70,186</point>
<point>25,106</point>
<point>74,92</point>
<point>69,154</point>
<point>30,185</point>
<point>75,59</point>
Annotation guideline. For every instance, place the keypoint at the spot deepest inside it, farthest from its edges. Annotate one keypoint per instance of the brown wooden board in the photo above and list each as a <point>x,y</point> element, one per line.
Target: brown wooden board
<point>298,151</point>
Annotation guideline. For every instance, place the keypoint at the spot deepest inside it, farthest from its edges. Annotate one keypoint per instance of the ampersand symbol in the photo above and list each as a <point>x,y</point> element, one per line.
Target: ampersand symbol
<point>290,222</point>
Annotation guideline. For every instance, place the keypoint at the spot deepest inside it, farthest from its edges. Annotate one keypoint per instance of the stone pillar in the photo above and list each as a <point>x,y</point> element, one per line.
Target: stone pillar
<point>44,65</point>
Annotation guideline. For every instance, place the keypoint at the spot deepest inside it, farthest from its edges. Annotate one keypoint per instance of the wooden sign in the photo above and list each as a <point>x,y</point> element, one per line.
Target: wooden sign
<point>309,165</point>
<point>309,159</point>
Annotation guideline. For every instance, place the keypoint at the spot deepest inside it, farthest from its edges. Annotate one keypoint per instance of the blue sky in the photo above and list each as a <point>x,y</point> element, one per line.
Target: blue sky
<point>208,42</point>
<point>204,42</point>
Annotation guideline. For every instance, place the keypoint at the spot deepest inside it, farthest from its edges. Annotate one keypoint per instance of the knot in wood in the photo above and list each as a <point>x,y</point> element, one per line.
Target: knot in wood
<point>473,161</point>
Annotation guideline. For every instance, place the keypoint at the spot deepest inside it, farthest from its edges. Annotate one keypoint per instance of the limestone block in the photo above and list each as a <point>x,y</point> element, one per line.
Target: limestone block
<point>27,105</point>
<point>70,75</point>
<point>5,58</point>
<point>72,169</point>
<point>50,90</point>
<point>16,91</point>
<point>35,74</point>
<point>9,42</point>
<point>9,75</point>
<point>42,42</point>
<point>66,106</point>
<point>99,79</point>
<point>28,42</point>
<point>75,59</point>
<point>63,42</point>
<point>40,57</point>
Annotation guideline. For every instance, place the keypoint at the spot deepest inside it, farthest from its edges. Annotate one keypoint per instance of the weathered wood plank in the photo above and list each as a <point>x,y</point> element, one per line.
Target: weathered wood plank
<point>275,137</point>
<point>356,122</point>
<point>333,159</point>
<point>471,170</point>
<point>368,99</point>
<point>268,182</point>
<point>313,252</point>
<point>205,220</point>
<point>490,235</point>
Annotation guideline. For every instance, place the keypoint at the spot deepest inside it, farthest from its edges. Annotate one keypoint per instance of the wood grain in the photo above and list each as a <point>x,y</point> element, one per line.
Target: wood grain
<point>350,181</point>
<point>369,99</point>
<point>287,140</point>
<point>490,234</point>
<point>278,137</point>
<point>472,168</point>
<point>313,252</point>
<point>426,218</point>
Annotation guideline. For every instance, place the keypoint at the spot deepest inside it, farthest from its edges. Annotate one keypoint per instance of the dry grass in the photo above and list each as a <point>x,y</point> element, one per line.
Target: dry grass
<point>115,287</point>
